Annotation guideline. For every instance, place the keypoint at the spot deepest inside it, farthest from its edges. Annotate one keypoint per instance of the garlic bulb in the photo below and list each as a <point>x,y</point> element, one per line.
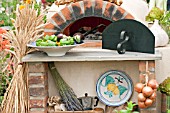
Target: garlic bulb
<point>161,37</point>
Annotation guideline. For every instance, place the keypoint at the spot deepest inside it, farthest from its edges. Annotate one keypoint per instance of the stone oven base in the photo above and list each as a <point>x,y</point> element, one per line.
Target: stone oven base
<point>38,72</point>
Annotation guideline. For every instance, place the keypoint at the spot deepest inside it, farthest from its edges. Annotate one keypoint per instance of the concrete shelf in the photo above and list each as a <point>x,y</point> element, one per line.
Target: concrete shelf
<point>92,54</point>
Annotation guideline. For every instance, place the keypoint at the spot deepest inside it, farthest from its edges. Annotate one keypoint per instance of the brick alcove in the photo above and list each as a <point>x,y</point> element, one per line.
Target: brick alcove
<point>87,8</point>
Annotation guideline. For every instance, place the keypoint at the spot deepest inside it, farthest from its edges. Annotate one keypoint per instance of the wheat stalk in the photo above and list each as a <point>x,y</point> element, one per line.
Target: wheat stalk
<point>28,27</point>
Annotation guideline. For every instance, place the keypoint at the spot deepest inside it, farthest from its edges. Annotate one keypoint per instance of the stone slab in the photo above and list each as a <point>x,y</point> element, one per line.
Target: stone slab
<point>91,54</point>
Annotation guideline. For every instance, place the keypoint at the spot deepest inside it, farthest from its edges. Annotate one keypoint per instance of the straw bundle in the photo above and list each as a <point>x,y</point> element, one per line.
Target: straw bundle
<point>28,27</point>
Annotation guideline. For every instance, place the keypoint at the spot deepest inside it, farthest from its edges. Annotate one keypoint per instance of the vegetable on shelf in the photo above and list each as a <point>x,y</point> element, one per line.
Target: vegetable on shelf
<point>59,40</point>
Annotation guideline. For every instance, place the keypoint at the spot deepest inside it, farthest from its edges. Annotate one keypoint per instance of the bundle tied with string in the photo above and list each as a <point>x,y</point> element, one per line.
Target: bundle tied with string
<point>28,27</point>
<point>66,92</point>
<point>146,91</point>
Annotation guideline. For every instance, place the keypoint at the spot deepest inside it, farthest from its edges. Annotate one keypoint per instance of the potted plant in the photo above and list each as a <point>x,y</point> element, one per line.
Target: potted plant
<point>164,88</point>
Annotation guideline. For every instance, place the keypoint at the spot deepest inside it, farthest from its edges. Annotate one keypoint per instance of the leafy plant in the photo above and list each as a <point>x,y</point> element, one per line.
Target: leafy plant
<point>155,13</point>
<point>165,22</point>
<point>164,87</point>
<point>129,108</point>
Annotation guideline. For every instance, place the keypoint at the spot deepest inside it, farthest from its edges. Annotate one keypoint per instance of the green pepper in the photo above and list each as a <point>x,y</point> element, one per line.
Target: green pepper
<point>71,41</point>
<point>64,41</point>
<point>47,37</point>
<point>52,37</point>
<point>43,44</point>
<point>38,43</point>
<point>51,43</point>
<point>77,38</point>
<point>39,40</point>
<point>55,39</point>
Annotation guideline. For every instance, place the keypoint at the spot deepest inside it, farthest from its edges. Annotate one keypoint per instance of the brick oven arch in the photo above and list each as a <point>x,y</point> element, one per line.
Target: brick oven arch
<point>87,8</point>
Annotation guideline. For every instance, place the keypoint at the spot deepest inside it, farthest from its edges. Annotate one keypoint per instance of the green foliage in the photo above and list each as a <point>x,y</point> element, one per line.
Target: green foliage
<point>5,76</point>
<point>164,87</point>
<point>155,13</point>
<point>128,109</point>
<point>51,1</point>
<point>161,16</point>
<point>168,111</point>
<point>165,22</point>
<point>9,8</point>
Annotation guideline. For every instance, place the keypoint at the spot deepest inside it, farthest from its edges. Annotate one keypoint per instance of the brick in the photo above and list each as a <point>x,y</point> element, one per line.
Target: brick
<point>38,103</point>
<point>68,15</point>
<point>148,110</point>
<point>40,79</point>
<point>119,14</point>
<point>142,66</point>
<point>77,10</point>
<point>51,26</point>
<point>37,67</point>
<point>38,91</point>
<point>88,9</point>
<point>38,110</point>
<point>128,16</point>
<point>59,20</point>
<point>110,8</point>
<point>142,78</point>
<point>98,8</point>
<point>151,66</point>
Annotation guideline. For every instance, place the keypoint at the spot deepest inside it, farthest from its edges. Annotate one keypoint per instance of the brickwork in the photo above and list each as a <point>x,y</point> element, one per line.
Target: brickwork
<point>86,8</point>
<point>38,87</point>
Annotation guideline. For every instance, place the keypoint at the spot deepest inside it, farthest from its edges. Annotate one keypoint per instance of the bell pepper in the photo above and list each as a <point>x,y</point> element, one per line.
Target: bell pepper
<point>64,41</point>
<point>51,43</point>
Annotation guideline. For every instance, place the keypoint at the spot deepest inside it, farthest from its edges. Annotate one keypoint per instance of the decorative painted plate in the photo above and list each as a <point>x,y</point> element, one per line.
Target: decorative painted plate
<point>114,88</point>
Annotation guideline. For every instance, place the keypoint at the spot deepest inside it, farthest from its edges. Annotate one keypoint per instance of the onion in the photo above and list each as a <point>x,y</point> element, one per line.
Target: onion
<point>148,102</point>
<point>153,96</point>
<point>141,97</point>
<point>147,91</point>
<point>139,87</point>
<point>79,34</point>
<point>153,84</point>
<point>141,105</point>
<point>59,36</point>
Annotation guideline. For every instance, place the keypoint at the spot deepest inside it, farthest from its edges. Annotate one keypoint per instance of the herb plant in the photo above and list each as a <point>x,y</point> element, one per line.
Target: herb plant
<point>129,108</point>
